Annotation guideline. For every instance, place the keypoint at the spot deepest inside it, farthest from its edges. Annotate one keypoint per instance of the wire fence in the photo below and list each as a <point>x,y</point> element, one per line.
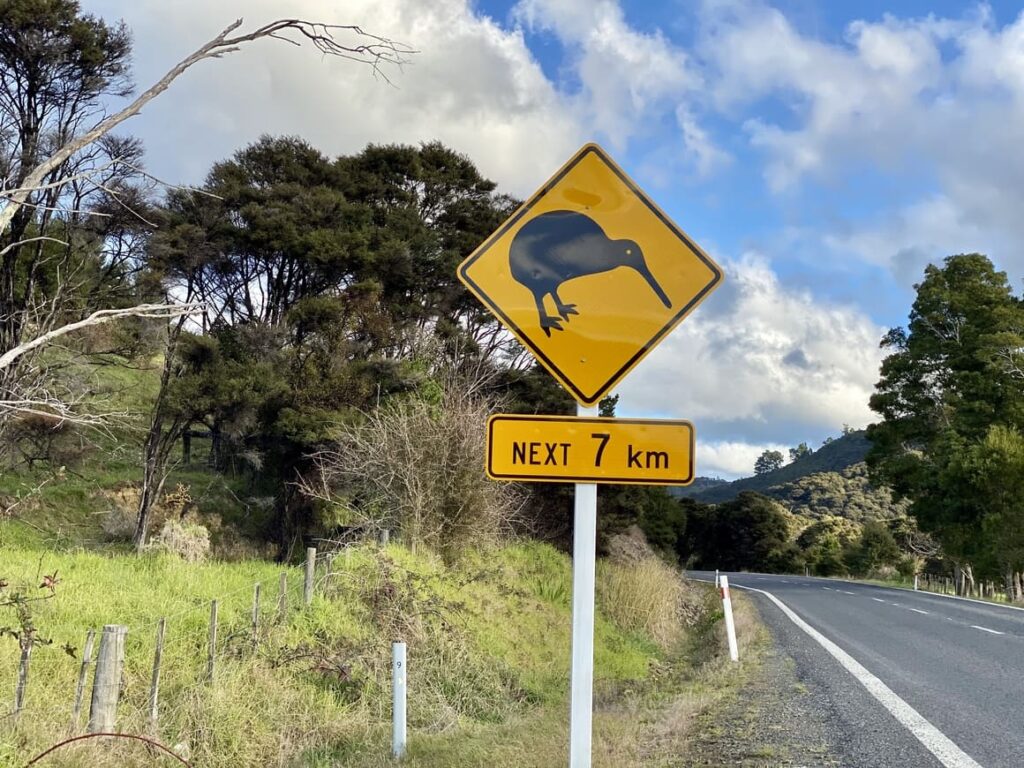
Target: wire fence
<point>229,656</point>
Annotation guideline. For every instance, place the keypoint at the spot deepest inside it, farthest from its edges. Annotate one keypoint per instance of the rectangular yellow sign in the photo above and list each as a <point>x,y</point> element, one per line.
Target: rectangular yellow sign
<point>566,449</point>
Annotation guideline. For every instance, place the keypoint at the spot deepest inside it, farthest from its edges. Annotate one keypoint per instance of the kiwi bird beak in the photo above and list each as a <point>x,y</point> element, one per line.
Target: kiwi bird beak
<point>646,273</point>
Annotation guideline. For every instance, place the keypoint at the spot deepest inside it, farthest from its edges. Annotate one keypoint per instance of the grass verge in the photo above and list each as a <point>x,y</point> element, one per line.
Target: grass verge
<point>488,645</point>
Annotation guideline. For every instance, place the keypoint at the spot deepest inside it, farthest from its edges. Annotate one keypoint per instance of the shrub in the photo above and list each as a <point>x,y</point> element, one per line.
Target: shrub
<point>644,596</point>
<point>118,523</point>
<point>416,466</point>
<point>876,548</point>
<point>188,540</point>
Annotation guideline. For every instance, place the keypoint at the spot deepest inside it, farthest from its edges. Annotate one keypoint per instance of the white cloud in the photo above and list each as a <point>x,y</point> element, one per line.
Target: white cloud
<point>758,353</point>
<point>705,157</point>
<point>909,238</point>
<point>473,85</point>
<point>730,459</point>
<point>930,102</point>
<point>628,79</point>
<point>848,99</point>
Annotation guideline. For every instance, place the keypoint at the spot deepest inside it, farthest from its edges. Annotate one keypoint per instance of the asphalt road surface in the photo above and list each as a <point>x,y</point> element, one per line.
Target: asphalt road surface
<point>906,678</point>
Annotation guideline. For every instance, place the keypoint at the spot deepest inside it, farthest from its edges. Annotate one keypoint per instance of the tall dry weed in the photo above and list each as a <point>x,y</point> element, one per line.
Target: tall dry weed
<point>645,596</point>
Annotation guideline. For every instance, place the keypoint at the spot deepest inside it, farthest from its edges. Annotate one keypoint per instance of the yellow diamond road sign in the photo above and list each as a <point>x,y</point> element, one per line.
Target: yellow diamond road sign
<point>589,274</point>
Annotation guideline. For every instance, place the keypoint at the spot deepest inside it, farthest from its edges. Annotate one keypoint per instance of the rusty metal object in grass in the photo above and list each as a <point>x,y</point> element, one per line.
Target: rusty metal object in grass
<point>129,736</point>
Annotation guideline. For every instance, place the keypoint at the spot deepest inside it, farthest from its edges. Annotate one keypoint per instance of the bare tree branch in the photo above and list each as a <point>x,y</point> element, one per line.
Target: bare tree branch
<point>163,311</point>
<point>378,51</point>
<point>31,240</point>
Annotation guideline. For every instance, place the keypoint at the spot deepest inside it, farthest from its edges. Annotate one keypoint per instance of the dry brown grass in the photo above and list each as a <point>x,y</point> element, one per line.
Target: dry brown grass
<point>645,596</point>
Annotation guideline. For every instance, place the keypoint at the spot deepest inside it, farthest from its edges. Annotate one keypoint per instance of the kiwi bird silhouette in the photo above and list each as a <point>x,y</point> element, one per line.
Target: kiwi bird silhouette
<point>559,246</point>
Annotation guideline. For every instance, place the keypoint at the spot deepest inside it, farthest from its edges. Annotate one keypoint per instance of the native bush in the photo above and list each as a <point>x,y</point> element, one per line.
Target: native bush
<point>415,466</point>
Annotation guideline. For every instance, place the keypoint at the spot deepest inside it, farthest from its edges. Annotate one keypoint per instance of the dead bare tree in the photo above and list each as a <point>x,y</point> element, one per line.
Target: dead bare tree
<point>162,311</point>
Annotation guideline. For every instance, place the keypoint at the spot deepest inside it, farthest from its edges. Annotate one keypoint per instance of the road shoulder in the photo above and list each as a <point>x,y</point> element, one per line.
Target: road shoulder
<point>772,721</point>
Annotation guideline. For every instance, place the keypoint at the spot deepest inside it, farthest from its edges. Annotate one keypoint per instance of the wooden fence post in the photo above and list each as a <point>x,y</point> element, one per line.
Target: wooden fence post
<point>23,663</point>
<point>256,612</point>
<point>307,587</point>
<point>106,684</point>
<point>154,686</point>
<point>212,653</point>
<point>282,594</point>
<point>83,673</point>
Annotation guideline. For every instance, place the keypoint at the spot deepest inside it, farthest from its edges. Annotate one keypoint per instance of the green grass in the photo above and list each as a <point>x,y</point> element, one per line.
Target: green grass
<point>64,510</point>
<point>488,651</point>
<point>488,637</point>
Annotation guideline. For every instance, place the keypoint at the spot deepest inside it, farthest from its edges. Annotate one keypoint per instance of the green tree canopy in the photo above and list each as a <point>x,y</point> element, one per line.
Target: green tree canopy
<point>942,388</point>
<point>322,279</point>
<point>768,461</point>
<point>750,532</point>
<point>799,452</point>
<point>875,547</point>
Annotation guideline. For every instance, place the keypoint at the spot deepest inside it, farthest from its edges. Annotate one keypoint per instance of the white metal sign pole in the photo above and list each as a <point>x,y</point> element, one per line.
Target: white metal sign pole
<point>584,551</point>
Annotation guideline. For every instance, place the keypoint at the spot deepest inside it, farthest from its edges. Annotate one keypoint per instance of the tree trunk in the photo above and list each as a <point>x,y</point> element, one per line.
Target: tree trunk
<point>215,459</point>
<point>153,477</point>
<point>159,441</point>
<point>968,575</point>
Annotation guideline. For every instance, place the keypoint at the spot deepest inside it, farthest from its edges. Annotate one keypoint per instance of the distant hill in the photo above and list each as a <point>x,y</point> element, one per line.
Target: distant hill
<point>848,493</point>
<point>699,485</point>
<point>834,456</point>
<point>831,481</point>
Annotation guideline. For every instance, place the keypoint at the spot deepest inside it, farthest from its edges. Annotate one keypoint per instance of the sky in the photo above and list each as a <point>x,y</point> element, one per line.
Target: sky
<point>822,152</point>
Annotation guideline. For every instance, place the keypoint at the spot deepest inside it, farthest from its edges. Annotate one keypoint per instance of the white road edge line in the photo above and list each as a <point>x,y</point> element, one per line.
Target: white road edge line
<point>932,594</point>
<point>986,629</point>
<point>918,610</point>
<point>934,740</point>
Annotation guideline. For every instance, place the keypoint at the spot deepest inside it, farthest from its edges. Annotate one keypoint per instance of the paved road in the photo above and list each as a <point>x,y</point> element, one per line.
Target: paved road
<point>959,664</point>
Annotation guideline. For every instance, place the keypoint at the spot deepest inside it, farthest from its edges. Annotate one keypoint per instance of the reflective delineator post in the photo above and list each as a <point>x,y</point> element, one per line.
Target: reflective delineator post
<point>730,627</point>
<point>584,551</point>
<point>398,678</point>
<point>717,585</point>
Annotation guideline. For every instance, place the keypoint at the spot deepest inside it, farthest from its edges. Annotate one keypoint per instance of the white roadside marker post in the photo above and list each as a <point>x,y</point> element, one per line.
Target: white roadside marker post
<point>730,627</point>
<point>398,678</point>
<point>716,579</point>
<point>584,552</point>
<point>915,582</point>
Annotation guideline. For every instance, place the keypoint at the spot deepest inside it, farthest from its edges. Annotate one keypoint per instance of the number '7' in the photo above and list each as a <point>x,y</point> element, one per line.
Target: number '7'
<point>603,437</point>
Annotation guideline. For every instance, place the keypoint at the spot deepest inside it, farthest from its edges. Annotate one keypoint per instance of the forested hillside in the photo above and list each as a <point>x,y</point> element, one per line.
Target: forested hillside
<point>847,493</point>
<point>834,456</point>
<point>832,480</point>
